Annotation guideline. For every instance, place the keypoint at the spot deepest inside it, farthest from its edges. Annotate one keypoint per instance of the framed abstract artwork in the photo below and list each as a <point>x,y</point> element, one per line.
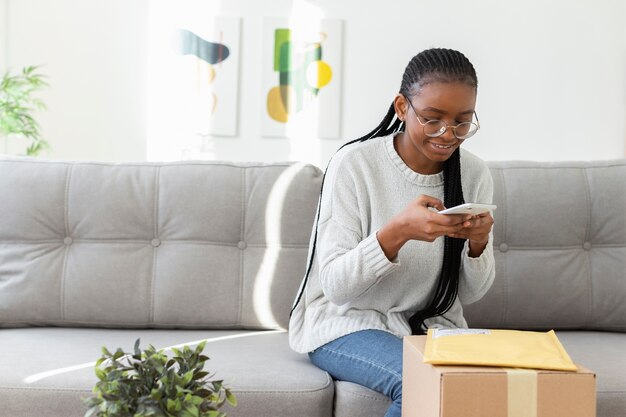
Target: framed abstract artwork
<point>301,84</point>
<point>207,61</point>
<point>192,79</point>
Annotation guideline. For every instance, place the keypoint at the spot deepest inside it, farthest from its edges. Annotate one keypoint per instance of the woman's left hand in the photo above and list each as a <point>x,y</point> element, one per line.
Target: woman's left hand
<point>476,230</point>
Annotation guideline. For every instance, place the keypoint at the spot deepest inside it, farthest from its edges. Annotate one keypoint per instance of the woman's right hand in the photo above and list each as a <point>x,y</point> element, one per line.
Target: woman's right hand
<point>419,222</point>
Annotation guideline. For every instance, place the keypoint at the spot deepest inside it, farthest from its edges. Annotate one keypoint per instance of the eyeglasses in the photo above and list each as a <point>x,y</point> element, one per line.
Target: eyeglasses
<point>435,128</point>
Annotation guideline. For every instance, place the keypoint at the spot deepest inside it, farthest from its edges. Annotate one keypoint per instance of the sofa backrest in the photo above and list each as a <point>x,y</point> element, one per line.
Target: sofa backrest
<point>560,247</point>
<point>224,245</point>
<point>190,245</point>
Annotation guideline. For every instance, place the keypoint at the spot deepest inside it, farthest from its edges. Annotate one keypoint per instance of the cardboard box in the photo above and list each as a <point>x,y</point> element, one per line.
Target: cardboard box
<point>481,391</point>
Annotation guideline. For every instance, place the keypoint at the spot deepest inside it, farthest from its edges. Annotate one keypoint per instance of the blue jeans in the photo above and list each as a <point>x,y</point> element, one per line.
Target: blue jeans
<point>372,358</point>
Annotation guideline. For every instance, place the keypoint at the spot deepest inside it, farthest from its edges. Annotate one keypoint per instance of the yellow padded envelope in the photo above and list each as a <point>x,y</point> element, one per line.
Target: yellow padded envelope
<point>506,348</point>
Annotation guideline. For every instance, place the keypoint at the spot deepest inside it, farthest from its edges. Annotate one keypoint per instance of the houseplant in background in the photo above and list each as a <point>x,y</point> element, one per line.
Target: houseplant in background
<point>17,105</point>
<point>149,383</point>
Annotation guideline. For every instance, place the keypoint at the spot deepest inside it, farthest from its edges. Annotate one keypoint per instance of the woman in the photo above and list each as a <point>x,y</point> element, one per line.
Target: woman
<point>383,263</point>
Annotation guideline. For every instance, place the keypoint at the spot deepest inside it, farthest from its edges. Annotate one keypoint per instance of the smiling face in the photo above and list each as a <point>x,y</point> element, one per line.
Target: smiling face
<point>451,102</point>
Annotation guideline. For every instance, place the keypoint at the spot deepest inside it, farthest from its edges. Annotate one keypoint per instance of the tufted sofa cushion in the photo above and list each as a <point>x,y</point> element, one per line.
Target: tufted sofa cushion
<point>560,247</point>
<point>171,245</point>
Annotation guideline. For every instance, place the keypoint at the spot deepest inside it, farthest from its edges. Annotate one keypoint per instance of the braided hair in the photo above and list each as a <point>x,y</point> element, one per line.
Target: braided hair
<point>429,66</point>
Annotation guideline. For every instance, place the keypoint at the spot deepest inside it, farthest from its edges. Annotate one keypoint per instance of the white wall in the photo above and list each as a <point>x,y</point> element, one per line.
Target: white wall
<point>3,32</point>
<point>552,74</point>
<point>3,56</point>
<point>93,53</point>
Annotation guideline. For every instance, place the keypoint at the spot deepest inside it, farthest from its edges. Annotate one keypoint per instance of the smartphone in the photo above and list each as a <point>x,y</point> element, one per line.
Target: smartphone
<point>469,208</point>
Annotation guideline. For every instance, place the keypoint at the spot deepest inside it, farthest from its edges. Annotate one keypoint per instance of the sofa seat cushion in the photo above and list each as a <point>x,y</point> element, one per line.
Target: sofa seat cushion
<point>46,371</point>
<point>353,400</point>
<point>605,354</point>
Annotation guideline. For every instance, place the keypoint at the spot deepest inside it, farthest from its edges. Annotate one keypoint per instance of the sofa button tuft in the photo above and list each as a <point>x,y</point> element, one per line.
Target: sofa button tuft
<point>504,247</point>
<point>242,245</point>
<point>587,245</point>
<point>67,241</point>
<point>155,242</point>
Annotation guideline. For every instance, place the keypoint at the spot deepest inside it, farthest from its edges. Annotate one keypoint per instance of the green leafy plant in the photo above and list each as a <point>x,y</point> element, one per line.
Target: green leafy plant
<point>17,104</point>
<point>149,383</point>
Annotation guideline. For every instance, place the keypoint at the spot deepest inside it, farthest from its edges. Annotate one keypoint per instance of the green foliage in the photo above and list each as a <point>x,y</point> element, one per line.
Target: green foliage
<point>149,383</point>
<point>17,104</point>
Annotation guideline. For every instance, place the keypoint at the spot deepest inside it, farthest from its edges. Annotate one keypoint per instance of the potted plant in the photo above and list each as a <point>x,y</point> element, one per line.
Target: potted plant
<point>149,383</point>
<point>17,104</point>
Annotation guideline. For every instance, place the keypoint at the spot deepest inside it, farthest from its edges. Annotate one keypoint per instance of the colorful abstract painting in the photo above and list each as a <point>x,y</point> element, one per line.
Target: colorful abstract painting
<point>205,55</point>
<point>302,81</point>
<point>192,80</point>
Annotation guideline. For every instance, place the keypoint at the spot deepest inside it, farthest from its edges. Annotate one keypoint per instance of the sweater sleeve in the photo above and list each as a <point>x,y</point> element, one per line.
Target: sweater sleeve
<point>477,274</point>
<point>350,258</point>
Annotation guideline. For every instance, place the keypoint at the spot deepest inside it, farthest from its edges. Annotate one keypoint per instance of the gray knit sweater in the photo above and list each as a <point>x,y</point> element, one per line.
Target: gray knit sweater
<point>352,285</point>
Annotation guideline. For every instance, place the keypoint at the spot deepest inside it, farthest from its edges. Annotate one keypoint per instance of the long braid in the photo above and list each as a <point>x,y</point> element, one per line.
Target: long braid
<point>448,283</point>
<point>432,65</point>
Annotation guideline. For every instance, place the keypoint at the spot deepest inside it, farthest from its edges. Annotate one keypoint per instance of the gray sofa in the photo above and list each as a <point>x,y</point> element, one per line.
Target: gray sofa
<point>100,254</point>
